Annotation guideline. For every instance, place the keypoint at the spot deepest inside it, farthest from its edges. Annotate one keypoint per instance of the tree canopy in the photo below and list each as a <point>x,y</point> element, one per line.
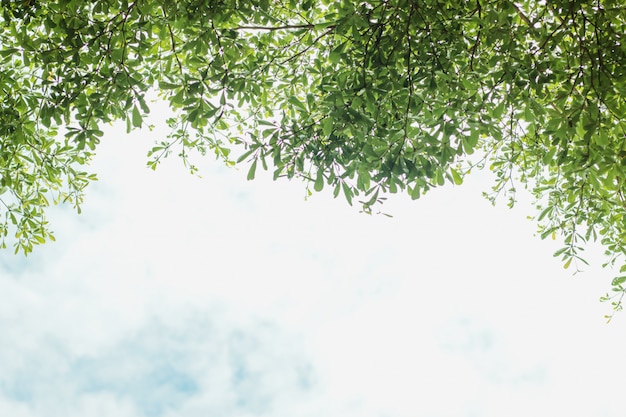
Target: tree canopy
<point>363,98</point>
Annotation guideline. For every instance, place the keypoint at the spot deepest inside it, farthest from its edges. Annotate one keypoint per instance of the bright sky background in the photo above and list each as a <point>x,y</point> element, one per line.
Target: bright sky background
<point>173,295</point>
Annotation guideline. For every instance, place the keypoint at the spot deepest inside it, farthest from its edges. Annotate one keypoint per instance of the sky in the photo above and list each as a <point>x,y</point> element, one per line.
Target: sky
<point>175,295</point>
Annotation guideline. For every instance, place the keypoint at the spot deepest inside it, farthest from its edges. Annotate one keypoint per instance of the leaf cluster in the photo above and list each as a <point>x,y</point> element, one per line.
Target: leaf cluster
<point>364,98</point>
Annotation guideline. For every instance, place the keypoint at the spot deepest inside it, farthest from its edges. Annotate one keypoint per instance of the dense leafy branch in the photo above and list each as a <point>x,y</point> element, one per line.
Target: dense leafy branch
<point>366,98</point>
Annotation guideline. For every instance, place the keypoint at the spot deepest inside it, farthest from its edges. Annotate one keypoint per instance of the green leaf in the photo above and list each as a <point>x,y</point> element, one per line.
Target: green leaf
<point>456,177</point>
<point>319,181</point>
<point>296,102</point>
<point>136,118</point>
<point>334,57</point>
<point>439,177</point>
<point>245,155</point>
<point>347,192</point>
<point>544,213</point>
<point>336,190</point>
<point>414,192</point>
<point>499,110</point>
<point>618,281</point>
<point>363,180</point>
<point>252,170</point>
<point>327,126</point>
<point>567,263</point>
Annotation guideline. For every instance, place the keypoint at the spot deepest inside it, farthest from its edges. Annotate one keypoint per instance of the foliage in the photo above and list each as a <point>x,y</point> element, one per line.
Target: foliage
<point>365,98</point>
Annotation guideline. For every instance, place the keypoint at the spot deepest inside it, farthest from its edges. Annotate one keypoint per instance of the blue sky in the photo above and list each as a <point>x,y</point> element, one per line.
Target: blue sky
<point>175,295</point>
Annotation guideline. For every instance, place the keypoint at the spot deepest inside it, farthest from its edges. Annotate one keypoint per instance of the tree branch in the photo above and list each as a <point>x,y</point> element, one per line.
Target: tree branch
<point>522,15</point>
<point>275,28</point>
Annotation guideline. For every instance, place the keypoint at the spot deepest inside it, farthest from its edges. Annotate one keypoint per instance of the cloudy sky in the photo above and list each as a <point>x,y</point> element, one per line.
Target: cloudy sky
<point>172,295</point>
